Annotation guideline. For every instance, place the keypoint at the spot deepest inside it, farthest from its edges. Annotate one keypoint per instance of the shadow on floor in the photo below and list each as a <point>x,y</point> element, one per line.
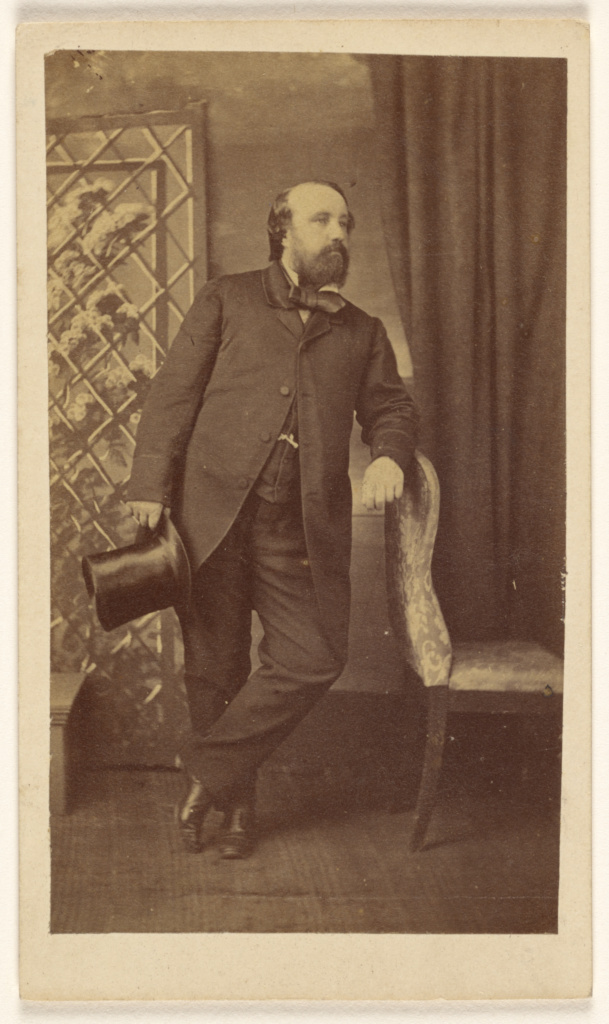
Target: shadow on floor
<point>331,856</point>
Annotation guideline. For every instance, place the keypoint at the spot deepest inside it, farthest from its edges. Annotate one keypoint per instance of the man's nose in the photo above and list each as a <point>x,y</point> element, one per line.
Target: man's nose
<point>337,231</point>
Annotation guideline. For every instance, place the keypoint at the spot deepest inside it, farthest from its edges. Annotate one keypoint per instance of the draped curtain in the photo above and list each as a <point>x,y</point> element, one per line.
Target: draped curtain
<point>472,183</point>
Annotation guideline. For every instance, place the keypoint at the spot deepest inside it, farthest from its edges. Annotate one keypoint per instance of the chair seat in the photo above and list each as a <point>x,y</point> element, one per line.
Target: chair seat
<point>505,665</point>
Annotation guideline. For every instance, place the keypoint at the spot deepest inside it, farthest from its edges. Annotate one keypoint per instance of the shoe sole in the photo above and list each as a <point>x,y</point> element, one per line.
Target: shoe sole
<point>189,832</point>
<point>236,850</point>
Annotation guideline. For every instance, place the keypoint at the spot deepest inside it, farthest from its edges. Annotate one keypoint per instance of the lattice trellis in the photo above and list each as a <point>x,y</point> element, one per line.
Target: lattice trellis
<point>126,253</point>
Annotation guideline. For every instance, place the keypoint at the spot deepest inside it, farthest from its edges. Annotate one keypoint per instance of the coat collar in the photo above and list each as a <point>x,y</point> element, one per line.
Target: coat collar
<point>275,284</point>
<point>276,290</point>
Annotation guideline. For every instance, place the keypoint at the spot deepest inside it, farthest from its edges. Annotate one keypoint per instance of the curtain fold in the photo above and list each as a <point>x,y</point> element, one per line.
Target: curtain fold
<point>472,184</point>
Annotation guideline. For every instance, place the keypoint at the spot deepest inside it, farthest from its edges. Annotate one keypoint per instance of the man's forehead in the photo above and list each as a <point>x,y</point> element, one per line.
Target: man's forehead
<point>309,197</point>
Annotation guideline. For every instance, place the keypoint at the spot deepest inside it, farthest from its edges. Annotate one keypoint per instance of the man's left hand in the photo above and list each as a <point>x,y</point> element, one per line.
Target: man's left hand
<point>383,483</point>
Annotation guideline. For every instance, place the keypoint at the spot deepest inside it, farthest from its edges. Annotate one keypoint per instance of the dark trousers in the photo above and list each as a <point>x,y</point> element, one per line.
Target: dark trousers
<point>238,719</point>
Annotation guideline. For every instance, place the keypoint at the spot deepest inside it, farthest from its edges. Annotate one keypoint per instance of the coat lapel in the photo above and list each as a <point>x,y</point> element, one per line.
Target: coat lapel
<point>275,286</point>
<point>276,291</point>
<point>319,323</point>
<point>290,318</point>
<point>276,294</point>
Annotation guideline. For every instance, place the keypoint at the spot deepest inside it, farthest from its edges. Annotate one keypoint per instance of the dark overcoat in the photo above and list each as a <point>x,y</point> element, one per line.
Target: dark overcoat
<point>219,402</point>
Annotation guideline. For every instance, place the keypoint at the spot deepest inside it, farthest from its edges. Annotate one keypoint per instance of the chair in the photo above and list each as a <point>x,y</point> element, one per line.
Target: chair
<point>504,676</point>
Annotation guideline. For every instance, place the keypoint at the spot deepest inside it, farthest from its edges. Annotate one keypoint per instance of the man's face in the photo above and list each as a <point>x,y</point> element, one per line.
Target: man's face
<point>316,244</point>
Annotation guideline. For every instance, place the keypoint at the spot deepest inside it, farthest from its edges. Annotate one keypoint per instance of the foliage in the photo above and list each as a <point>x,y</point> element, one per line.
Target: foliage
<point>98,381</point>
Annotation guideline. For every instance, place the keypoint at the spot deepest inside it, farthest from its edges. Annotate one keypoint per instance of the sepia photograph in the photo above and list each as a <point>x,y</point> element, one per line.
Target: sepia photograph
<point>307,483</point>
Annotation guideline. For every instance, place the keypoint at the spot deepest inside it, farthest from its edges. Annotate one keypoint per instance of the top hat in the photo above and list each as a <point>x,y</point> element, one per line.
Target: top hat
<point>152,574</point>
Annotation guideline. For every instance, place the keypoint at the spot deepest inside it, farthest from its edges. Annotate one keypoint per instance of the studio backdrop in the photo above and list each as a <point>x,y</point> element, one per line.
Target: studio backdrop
<point>161,168</point>
<point>472,177</point>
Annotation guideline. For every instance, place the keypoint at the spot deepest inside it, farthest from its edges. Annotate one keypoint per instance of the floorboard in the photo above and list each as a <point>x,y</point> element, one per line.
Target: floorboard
<point>327,860</point>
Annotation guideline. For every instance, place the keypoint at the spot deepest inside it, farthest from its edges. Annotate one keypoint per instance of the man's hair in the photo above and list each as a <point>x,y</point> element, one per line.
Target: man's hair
<point>280,216</point>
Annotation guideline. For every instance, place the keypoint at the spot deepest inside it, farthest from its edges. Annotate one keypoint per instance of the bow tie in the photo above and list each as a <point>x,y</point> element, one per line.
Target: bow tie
<point>308,298</point>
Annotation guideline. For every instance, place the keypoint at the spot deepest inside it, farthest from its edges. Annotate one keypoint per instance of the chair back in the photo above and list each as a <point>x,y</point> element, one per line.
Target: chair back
<point>414,611</point>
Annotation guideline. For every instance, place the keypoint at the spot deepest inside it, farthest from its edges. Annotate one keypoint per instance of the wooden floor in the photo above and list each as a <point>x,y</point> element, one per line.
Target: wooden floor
<point>331,856</point>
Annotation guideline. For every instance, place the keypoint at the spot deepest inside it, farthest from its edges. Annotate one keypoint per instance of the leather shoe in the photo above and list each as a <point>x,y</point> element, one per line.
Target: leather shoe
<point>238,835</point>
<point>190,813</point>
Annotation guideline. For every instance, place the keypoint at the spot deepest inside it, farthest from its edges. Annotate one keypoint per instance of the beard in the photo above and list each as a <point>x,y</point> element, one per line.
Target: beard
<point>330,266</point>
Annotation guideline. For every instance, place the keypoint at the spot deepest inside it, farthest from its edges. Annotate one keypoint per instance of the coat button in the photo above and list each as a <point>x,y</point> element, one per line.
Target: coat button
<point>265,436</point>
<point>242,482</point>
<point>284,389</point>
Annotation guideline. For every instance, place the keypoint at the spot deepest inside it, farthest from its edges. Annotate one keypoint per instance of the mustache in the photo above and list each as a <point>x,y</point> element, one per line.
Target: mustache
<point>335,247</point>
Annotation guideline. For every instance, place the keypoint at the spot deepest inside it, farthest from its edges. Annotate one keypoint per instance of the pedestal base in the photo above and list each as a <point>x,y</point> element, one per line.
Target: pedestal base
<point>65,687</point>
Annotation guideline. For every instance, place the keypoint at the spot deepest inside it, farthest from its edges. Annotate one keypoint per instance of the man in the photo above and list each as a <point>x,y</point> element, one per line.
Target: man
<point>245,436</point>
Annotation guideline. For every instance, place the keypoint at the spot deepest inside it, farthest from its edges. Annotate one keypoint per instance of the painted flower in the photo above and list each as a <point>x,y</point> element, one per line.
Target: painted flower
<point>113,229</point>
<point>76,413</point>
<point>117,377</point>
<point>70,214</point>
<point>84,398</point>
<point>68,341</point>
<point>60,225</point>
<point>91,321</point>
<point>56,294</point>
<point>107,300</point>
<point>141,365</point>
<point>129,313</point>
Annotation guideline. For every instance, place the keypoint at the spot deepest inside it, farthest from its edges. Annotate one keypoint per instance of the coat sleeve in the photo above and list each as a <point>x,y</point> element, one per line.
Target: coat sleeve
<point>174,399</point>
<point>384,408</point>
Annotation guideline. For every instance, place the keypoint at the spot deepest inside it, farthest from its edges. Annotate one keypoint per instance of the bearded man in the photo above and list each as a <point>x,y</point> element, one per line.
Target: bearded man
<point>245,437</point>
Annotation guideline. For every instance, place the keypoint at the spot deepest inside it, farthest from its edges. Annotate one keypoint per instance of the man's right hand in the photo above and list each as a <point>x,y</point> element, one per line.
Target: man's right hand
<point>146,513</point>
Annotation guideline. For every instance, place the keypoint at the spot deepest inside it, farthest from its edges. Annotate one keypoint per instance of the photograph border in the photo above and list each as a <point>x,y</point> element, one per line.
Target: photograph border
<point>143,966</point>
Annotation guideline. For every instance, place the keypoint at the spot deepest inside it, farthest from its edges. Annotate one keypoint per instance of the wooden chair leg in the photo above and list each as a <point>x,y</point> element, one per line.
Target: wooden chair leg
<point>432,764</point>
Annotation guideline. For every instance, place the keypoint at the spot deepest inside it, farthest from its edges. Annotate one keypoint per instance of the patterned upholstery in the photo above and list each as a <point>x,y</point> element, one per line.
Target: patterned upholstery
<point>510,665</point>
<point>416,617</point>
